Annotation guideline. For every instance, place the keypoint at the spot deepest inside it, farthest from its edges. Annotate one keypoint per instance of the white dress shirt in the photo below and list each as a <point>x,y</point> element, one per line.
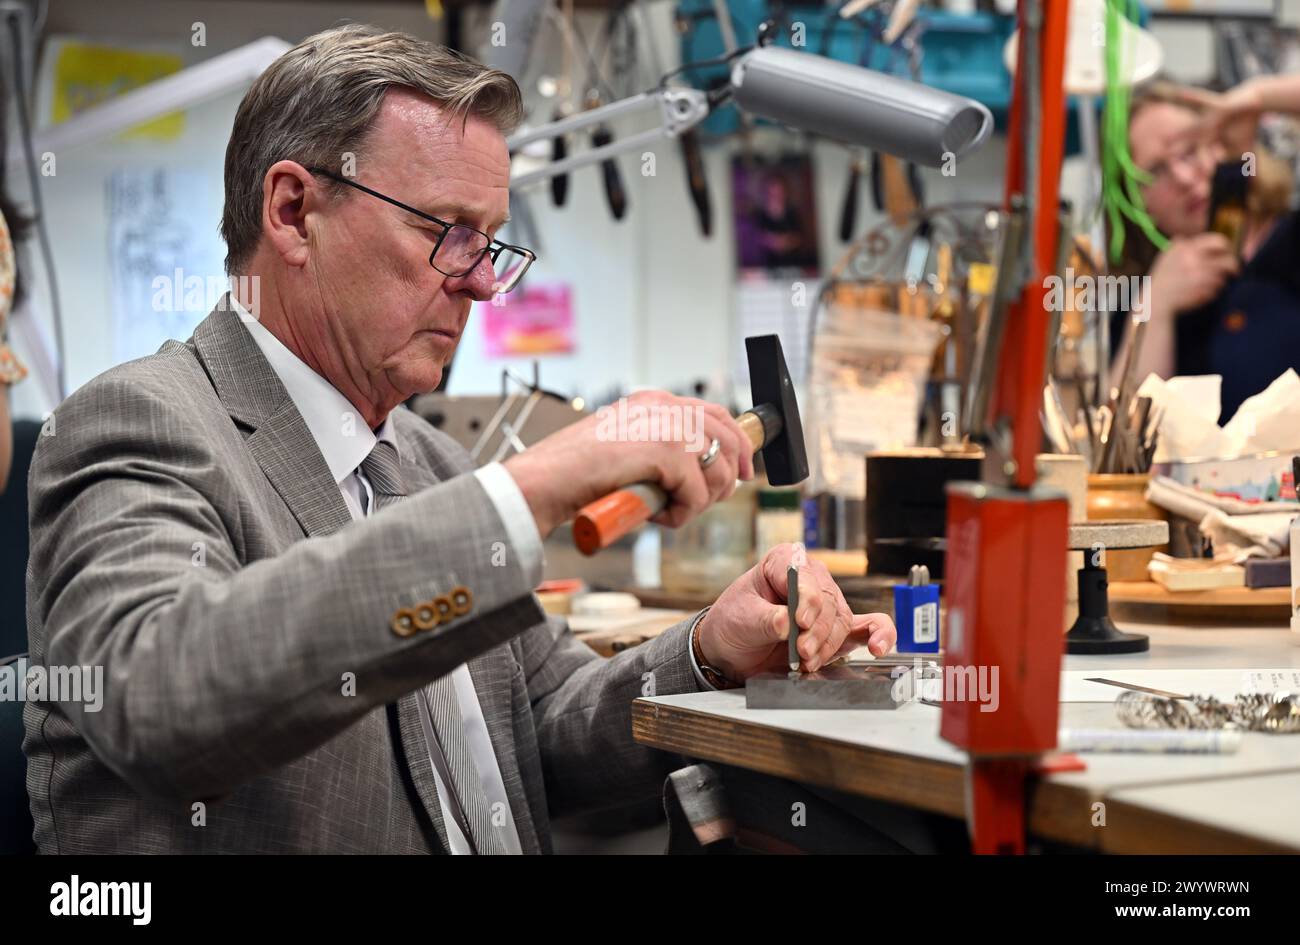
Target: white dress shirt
<point>345,440</point>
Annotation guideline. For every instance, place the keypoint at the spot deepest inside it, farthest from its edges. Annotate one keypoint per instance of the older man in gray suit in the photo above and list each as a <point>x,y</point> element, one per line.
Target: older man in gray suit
<point>314,616</point>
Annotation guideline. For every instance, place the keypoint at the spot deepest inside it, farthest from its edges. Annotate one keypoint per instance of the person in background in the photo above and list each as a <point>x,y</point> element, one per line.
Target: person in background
<point>1211,310</point>
<point>11,369</point>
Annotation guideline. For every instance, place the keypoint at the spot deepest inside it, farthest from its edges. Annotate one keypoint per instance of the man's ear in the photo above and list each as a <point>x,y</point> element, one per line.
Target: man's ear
<point>289,193</point>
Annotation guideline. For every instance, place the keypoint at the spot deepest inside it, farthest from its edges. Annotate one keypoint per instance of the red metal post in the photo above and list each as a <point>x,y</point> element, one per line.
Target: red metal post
<point>1007,545</point>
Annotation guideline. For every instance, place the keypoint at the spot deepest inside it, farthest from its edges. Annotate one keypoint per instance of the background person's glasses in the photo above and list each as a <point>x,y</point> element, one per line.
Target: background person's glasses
<point>1189,157</point>
<point>460,248</point>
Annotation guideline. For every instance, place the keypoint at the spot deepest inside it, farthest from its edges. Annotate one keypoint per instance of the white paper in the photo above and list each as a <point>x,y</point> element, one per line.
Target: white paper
<point>1222,684</point>
<point>1268,421</point>
<point>165,257</point>
<point>1188,408</point>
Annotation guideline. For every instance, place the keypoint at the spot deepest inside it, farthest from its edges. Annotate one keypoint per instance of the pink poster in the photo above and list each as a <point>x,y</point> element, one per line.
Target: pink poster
<point>534,319</point>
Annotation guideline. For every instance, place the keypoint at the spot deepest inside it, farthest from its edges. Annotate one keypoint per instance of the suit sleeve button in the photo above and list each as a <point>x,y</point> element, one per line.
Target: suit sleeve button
<point>403,622</point>
<point>426,617</point>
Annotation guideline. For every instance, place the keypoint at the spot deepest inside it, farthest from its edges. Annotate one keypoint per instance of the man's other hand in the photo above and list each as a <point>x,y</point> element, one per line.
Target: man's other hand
<point>745,632</point>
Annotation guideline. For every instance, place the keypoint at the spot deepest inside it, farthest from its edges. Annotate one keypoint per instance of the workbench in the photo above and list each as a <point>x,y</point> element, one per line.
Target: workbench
<point>1247,802</point>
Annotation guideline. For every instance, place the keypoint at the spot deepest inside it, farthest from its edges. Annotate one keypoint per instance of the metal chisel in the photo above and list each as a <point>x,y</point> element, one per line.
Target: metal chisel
<point>792,607</point>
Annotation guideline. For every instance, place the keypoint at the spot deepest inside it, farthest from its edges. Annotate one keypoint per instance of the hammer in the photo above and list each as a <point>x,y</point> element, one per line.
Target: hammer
<point>772,426</point>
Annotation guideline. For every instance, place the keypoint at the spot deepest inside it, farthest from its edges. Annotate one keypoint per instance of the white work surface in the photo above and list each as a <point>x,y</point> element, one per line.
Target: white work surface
<point>1253,793</point>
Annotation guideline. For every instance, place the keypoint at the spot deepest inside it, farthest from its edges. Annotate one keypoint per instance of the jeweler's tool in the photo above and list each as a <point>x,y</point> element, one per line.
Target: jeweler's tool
<point>792,607</point>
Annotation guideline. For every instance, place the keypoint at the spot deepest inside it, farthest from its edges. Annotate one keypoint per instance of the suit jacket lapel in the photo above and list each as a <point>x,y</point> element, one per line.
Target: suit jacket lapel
<point>416,749</point>
<point>284,448</point>
<point>280,440</point>
<point>491,673</point>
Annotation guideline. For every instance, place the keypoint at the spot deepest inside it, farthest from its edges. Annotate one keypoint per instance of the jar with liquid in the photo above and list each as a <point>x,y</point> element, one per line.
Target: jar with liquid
<point>713,549</point>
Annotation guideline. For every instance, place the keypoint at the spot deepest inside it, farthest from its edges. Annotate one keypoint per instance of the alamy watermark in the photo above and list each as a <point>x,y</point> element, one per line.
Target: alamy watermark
<point>1088,293</point>
<point>933,683</point>
<point>179,292</point>
<point>21,681</point>
<point>76,897</point>
<point>628,421</point>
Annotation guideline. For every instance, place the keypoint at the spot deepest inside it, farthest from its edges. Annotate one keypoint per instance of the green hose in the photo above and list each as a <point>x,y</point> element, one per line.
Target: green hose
<point>1122,180</point>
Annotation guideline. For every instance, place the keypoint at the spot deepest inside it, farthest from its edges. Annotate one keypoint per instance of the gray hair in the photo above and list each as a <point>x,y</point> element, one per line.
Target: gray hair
<point>319,100</point>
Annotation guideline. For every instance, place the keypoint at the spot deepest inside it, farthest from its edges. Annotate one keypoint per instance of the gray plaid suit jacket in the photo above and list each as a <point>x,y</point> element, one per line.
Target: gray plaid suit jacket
<point>188,537</point>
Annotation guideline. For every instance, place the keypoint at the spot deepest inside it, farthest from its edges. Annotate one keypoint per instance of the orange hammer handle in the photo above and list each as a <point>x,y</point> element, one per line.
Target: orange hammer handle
<point>601,523</point>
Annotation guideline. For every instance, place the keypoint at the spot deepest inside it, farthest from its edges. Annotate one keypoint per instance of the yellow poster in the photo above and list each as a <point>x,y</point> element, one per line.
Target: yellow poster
<point>86,75</point>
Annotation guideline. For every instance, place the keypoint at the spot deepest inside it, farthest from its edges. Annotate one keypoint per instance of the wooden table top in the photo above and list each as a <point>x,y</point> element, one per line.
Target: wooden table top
<point>1153,803</point>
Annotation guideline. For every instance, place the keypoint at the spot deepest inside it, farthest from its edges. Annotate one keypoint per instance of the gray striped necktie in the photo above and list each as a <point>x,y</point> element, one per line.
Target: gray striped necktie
<point>448,748</point>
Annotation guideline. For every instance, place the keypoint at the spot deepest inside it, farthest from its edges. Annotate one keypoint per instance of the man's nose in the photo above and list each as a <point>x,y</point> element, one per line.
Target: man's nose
<point>478,282</point>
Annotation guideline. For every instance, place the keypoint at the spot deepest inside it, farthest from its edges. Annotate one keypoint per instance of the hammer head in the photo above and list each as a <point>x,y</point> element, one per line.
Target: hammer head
<point>783,449</point>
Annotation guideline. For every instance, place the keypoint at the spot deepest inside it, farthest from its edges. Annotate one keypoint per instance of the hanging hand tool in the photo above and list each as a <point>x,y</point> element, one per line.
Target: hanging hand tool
<point>559,184</point>
<point>602,135</point>
<point>615,192</point>
<point>697,180</point>
<point>849,209</point>
<point>895,185</point>
<point>559,151</point>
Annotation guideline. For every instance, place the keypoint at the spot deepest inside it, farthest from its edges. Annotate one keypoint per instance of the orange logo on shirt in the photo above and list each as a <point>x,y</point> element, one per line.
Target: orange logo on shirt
<point>1234,321</point>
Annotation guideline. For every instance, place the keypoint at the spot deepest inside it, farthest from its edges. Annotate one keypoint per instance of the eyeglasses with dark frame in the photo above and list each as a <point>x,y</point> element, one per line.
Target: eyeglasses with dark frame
<point>460,247</point>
